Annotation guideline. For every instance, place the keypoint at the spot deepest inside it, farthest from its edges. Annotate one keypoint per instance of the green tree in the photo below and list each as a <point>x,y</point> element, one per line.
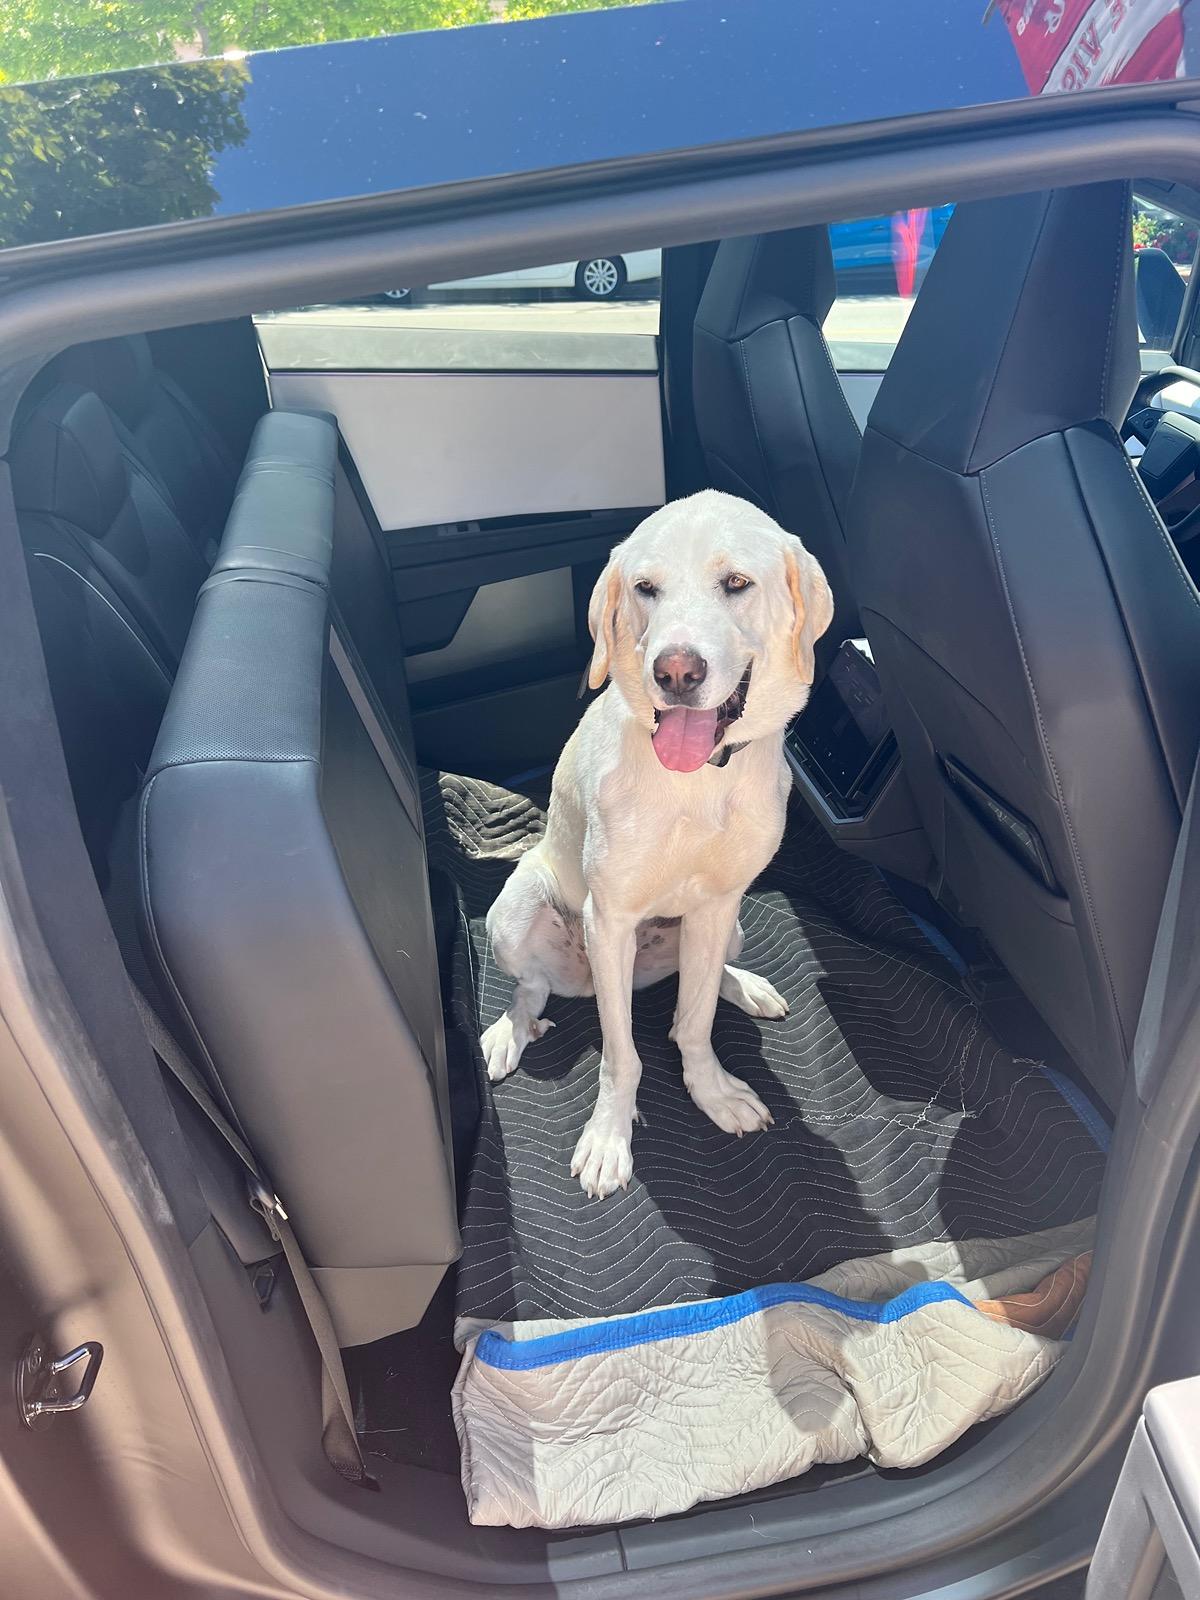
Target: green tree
<point>41,39</point>
<point>516,10</point>
<point>61,38</point>
<point>133,151</point>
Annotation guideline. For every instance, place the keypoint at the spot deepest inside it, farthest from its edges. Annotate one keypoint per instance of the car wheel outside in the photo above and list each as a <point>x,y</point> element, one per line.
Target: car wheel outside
<point>601,278</point>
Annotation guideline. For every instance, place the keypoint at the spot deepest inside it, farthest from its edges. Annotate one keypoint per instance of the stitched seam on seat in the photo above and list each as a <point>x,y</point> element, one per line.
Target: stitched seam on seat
<point>1180,800</point>
<point>818,456</point>
<point>837,378</point>
<point>44,555</point>
<point>754,419</point>
<point>751,493</point>
<point>745,289</point>
<point>60,433</point>
<point>1046,751</point>
<point>1180,571</point>
<point>242,761</point>
<point>165,969</point>
<point>1148,506</point>
<point>1126,237</point>
<point>1008,332</point>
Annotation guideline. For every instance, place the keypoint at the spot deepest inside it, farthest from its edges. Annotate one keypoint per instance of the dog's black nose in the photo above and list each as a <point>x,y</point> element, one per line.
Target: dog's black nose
<point>678,671</point>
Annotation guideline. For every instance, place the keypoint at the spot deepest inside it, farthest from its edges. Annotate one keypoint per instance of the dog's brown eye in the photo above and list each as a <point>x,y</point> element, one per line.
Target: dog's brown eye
<point>735,583</point>
<point>645,587</point>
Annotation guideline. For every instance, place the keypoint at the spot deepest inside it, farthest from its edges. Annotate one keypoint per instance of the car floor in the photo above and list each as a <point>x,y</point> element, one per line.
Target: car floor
<point>904,1110</point>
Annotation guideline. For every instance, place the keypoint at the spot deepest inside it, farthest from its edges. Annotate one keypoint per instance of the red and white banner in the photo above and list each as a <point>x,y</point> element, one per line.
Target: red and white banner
<point>1066,45</point>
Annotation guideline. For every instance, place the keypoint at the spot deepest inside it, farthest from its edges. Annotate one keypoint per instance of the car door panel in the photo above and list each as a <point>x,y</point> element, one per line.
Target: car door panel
<point>501,455</point>
<point>435,447</point>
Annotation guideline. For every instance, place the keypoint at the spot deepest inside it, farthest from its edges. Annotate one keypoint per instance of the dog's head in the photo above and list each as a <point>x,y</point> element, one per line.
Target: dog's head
<point>705,618</point>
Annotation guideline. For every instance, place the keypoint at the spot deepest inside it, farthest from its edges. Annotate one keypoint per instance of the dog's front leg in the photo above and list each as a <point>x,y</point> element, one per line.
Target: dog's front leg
<point>704,939</point>
<point>603,1161</point>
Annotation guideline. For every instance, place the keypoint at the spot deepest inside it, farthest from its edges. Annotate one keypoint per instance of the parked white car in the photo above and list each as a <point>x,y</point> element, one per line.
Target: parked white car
<point>598,278</point>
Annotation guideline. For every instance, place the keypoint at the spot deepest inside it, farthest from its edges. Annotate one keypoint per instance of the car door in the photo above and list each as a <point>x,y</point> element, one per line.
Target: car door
<point>1149,1547</point>
<point>502,445</point>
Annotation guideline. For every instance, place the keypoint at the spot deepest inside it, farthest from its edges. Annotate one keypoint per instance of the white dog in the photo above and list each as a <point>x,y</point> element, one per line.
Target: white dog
<point>667,802</point>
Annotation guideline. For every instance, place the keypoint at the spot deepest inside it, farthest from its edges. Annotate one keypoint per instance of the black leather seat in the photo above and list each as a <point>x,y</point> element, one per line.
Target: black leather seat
<point>277,857</point>
<point>71,473</point>
<point>1159,297</point>
<point>165,433</point>
<point>771,414</point>
<point>286,903</point>
<point>1037,635</point>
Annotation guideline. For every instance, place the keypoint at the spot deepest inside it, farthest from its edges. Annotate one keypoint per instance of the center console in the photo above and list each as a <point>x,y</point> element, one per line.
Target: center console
<point>845,763</point>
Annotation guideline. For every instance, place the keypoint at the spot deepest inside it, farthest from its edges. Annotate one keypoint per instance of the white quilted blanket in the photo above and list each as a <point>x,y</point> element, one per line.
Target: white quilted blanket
<point>564,1424</point>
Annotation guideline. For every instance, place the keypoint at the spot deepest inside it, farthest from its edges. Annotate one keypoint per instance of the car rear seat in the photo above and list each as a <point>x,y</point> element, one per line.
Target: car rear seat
<point>287,905</point>
<point>113,573</point>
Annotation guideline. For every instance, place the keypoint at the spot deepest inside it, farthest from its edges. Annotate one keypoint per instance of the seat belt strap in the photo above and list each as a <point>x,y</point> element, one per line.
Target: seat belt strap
<point>337,1414</point>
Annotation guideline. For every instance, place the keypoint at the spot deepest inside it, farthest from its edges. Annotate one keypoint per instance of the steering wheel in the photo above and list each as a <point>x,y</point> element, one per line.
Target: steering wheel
<point>1170,462</point>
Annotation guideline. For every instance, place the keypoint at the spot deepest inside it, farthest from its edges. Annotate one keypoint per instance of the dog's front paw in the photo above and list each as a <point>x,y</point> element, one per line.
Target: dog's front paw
<point>603,1161</point>
<point>730,1103</point>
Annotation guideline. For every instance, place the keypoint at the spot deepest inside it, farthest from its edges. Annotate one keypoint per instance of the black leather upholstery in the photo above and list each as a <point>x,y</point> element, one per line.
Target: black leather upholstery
<point>282,514</point>
<point>302,953</point>
<point>276,863</point>
<point>772,418</point>
<point>69,469</point>
<point>165,434</point>
<point>1030,618</point>
<point>1159,297</point>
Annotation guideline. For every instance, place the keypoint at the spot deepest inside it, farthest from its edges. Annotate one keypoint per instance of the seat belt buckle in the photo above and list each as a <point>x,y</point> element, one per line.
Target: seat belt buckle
<point>266,1203</point>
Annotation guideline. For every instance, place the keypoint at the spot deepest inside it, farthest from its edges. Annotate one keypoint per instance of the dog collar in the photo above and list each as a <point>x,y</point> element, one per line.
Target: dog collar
<point>727,750</point>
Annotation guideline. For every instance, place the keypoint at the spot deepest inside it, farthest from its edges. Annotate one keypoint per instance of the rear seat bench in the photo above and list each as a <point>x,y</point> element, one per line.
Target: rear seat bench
<point>277,852</point>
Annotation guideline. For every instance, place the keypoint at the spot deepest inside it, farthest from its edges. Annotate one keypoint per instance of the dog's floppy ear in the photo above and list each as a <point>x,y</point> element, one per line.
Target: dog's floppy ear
<point>812,605</point>
<point>602,621</point>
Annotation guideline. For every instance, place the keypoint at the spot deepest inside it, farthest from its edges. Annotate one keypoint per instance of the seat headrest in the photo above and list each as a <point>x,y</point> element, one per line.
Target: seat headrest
<point>67,461</point>
<point>1025,326</point>
<point>767,277</point>
<point>120,371</point>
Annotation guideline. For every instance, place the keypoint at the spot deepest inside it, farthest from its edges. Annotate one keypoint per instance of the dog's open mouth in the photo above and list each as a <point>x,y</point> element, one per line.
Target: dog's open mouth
<point>684,739</point>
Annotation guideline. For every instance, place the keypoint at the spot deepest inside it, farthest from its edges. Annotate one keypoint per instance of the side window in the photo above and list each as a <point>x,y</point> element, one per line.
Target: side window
<point>1164,246</point>
<point>594,315</point>
<point>881,262</point>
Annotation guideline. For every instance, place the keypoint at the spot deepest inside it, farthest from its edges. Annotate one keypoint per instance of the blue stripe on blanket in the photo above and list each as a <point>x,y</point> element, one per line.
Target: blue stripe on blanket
<point>674,1322</point>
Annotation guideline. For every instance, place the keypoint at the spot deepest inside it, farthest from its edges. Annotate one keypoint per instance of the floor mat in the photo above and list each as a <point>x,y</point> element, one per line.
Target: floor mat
<point>899,1118</point>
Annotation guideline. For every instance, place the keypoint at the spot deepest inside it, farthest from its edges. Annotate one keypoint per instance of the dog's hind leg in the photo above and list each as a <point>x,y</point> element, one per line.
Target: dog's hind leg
<point>752,994</point>
<point>543,950</point>
<point>504,1042</point>
<point>746,990</point>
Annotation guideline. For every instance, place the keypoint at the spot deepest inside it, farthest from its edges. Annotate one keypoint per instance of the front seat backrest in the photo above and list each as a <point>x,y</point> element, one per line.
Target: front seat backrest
<point>1036,633</point>
<point>1159,297</point>
<point>163,431</point>
<point>772,418</point>
<point>69,468</point>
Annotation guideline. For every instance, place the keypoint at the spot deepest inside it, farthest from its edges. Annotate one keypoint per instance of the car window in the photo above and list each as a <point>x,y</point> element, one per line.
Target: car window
<point>596,314</point>
<point>882,261</point>
<point>1164,246</point>
<point>880,264</point>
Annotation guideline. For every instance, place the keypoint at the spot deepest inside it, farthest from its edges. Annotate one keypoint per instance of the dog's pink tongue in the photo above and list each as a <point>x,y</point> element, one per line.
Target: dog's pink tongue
<point>683,740</point>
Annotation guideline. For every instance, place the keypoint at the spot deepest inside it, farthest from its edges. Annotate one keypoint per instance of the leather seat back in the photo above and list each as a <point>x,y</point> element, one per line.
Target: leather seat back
<point>770,411</point>
<point>286,903</point>
<point>1036,633</point>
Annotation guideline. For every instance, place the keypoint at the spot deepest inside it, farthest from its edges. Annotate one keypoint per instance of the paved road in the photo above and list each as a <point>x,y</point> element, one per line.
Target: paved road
<point>525,335</point>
